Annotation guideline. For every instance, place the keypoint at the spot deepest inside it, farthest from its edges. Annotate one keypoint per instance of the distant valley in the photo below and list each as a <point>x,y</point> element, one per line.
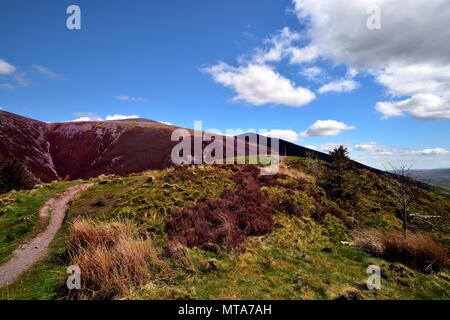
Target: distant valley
<point>433,176</point>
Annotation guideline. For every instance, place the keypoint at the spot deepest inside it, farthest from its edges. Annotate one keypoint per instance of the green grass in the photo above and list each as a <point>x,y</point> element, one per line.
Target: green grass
<point>301,259</point>
<point>148,198</point>
<point>19,215</point>
<point>133,197</point>
<point>445,188</point>
<point>46,277</point>
<point>296,261</point>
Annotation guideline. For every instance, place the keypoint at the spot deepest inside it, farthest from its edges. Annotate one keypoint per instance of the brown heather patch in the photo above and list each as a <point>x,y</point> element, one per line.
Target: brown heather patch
<point>240,212</point>
<point>417,250</point>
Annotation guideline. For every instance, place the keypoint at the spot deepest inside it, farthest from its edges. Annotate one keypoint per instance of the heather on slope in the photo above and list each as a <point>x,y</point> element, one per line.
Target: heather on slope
<point>226,232</point>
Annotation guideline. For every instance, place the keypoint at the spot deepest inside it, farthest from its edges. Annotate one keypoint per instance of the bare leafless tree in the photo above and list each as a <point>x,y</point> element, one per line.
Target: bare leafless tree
<point>405,191</point>
<point>312,164</point>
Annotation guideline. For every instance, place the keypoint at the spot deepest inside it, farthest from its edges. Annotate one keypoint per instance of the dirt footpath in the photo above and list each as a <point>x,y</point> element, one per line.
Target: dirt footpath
<point>34,249</point>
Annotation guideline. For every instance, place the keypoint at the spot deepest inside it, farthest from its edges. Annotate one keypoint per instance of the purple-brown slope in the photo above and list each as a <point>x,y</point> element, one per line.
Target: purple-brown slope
<point>74,150</point>
<point>27,141</point>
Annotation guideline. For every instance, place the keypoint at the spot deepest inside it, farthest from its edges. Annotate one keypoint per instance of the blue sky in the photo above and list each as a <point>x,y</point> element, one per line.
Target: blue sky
<point>180,61</point>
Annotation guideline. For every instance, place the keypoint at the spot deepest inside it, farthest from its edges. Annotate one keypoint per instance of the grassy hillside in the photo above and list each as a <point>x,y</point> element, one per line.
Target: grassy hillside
<point>210,232</point>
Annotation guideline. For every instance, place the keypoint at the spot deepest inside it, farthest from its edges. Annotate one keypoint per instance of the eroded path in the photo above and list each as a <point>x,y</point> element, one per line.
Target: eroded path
<point>34,249</point>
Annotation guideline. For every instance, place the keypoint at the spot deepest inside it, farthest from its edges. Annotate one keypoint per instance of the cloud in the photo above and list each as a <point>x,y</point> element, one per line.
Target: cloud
<point>375,155</point>
<point>46,72</point>
<point>379,156</point>
<point>279,46</point>
<point>373,148</point>
<point>422,106</point>
<point>327,147</point>
<point>343,85</point>
<point>260,85</point>
<point>21,78</point>
<point>310,146</point>
<point>428,88</point>
<point>6,68</point>
<point>410,59</point>
<point>288,135</point>
<point>166,122</point>
<point>256,80</point>
<point>121,117</point>
<point>302,55</point>
<point>83,117</point>
<point>130,99</point>
<point>312,73</point>
<point>339,29</point>
<point>433,152</point>
<point>283,45</point>
<point>86,116</point>
<point>10,70</point>
<point>323,128</point>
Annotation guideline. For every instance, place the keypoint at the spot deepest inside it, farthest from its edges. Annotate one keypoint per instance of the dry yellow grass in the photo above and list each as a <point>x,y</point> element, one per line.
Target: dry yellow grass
<point>295,173</point>
<point>417,250</point>
<point>180,253</point>
<point>111,259</point>
<point>86,234</point>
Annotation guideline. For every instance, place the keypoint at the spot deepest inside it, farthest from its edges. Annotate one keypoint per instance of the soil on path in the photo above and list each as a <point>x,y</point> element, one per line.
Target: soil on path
<point>34,249</point>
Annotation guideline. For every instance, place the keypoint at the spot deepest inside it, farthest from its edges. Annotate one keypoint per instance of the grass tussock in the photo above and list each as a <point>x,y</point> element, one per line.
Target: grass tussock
<point>417,250</point>
<point>87,234</point>
<point>111,258</point>
<point>180,253</point>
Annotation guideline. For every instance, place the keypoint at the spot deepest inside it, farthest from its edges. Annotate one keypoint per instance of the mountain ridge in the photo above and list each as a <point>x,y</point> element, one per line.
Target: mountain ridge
<point>72,150</point>
<point>86,149</point>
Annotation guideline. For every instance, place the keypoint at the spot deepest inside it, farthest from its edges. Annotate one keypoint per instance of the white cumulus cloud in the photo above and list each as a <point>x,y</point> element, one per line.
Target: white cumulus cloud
<point>326,128</point>
<point>85,119</point>
<point>93,117</point>
<point>288,135</point>
<point>409,55</point>
<point>6,68</point>
<point>259,85</point>
<point>121,117</point>
<point>343,85</point>
<point>433,152</point>
<point>279,46</point>
<point>373,148</point>
<point>303,55</point>
<point>328,147</point>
